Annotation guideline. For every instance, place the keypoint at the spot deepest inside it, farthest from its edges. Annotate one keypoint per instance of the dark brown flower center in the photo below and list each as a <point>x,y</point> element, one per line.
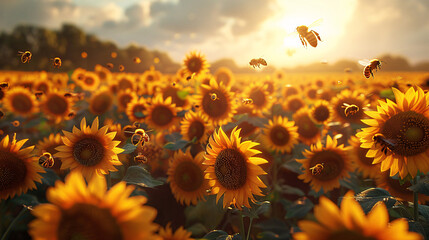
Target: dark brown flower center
<point>223,77</point>
<point>101,103</point>
<point>312,93</point>
<point>188,176</point>
<point>88,222</point>
<point>231,169</point>
<point>332,162</point>
<point>172,92</point>
<point>124,99</point>
<point>279,135</point>
<point>258,97</point>
<point>306,127</point>
<point>196,129</point>
<point>21,103</point>
<point>89,80</point>
<point>321,113</point>
<point>290,91</point>
<point>218,107</point>
<point>88,151</point>
<point>246,128</point>
<point>42,87</point>
<point>407,132</point>
<point>57,104</point>
<point>125,83</point>
<point>295,104</point>
<point>194,65</point>
<point>12,171</point>
<point>361,152</point>
<point>162,115</point>
<point>349,235</point>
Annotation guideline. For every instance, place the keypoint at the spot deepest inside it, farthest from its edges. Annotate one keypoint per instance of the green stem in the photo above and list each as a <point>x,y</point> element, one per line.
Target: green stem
<point>416,201</point>
<point>242,232</point>
<point>248,230</point>
<point>23,210</point>
<point>108,180</point>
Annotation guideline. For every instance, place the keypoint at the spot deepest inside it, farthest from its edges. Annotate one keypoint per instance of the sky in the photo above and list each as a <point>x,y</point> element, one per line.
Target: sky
<point>241,29</point>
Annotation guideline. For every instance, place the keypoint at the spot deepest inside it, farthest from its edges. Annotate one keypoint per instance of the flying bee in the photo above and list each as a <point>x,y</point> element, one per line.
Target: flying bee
<point>121,68</point>
<point>109,65</point>
<point>139,136</point>
<point>247,101</point>
<point>25,56</point>
<point>257,62</point>
<point>213,96</point>
<point>310,36</point>
<point>4,85</point>
<point>57,62</point>
<point>140,158</point>
<point>196,106</point>
<point>38,94</point>
<point>137,60</point>
<point>16,123</point>
<point>388,145</point>
<point>370,66</point>
<point>46,160</point>
<point>317,169</point>
<point>350,109</point>
<point>190,77</point>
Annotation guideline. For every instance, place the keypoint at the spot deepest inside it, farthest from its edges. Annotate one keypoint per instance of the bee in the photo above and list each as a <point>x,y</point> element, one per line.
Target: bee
<point>213,96</point>
<point>388,145</point>
<point>77,96</point>
<point>370,66</point>
<point>38,94</point>
<point>71,115</point>
<point>196,106</point>
<point>121,68</point>
<point>317,169</point>
<point>190,77</point>
<point>310,36</point>
<point>46,160</point>
<point>16,123</point>
<point>139,136</point>
<point>25,56</point>
<point>57,62</point>
<point>174,84</point>
<point>140,158</point>
<point>109,65</point>
<point>247,101</point>
<point>4,85</point>
<point>256,62</point>
<point>137,60</point>
<point>350,109</point>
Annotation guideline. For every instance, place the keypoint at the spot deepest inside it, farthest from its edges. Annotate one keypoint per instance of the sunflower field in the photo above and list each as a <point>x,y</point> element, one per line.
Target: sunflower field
<point>97,154</point>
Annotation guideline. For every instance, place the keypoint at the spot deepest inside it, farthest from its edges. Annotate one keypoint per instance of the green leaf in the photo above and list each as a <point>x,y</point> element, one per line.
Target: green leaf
<point>49,177</point>
<point>258,121</point>
<point>368,198</point>
<point>286,189</point>
<point>422,186</point>
<point>272,236</point>
<point>241,117</point>
<point>299,208</point>
<point>199,213</point>
<point>273,225</point>
<point>182,94</point>
<point>174,146</point>
<point>256,209</point>
<point>198,229</point>
<point>215,235</point>
<point>128,148</point>
<point>419,227</point>
<point>26,199</point>
<point>139,176</point>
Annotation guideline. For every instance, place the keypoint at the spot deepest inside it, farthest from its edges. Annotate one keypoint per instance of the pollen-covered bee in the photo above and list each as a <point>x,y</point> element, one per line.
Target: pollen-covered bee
<point>247,101</point>
<point>4,85</point>
<point>213,96</point>
<point>388,145</point>
<point>310,36</point>
<point>25,56</point>
<point>257,62</point>
<point>57,62</point>
<point>46,160</point>
<point>137,134</point>
<point>370,66</point>
<point>140,158</point>
<point>317,169</point>
<point>350,109</point>
<point>137,60</point>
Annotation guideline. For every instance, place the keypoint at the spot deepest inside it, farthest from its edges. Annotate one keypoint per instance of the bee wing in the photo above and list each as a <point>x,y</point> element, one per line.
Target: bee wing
<point>346,104</point>
<point>315,23</point>
<point>364,62</point>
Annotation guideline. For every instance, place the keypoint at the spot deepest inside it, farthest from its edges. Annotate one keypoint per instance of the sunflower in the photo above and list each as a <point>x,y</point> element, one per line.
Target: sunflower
<point>135,110</point>
<point>262,100</point>
<point>150,75</point>
<point>101,101</point>
<point>361,162</point>
<point>78,74</point>
<point>186,177</point>
<point>43,85</point>
<point>56,106</point>
<point>124,97</point>
<point>350,222</point>
<point>398,136</point>
<point>396,188</point>
<point>293,103</point>
<point>89,82</point>
<point>270,85</point>
<point>20,101</point>
<point>195,63</point>
<point>233,170</point>
<point>325,166</point>
<point>195,125</point>
<point>290,90</point>
<point>161,114</point>
<point>19,170</point>
<point>179,234</point>
<point>48,144</point>
<point>321,112</point>
<point>308,132</point>
<point>78,211</point>
<point>103,73</point>
<point>178,95</point>
<point>280,134</point>
<point>124,81</point>
<point>311,92</point>
<point>223,74</point>
<point>89,150</point>
<point>246,127</point>
<point>219,111</point>
<point>342,100</point>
